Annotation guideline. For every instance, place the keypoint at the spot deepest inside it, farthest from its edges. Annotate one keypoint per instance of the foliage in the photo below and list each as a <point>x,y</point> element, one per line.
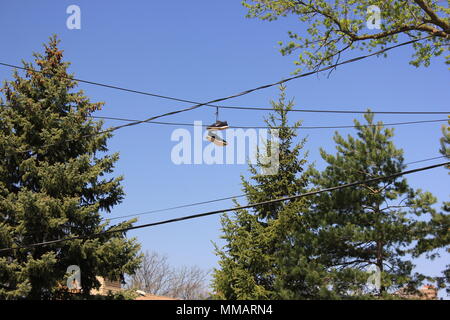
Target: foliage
<point>372,224</point>
<point>437,235</point>
<point>249,260</point>
<point>55,180</point>
<point>333,27</point>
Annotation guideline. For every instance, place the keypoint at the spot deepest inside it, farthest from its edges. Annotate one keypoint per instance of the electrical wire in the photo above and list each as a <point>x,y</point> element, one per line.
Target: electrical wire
<point>265,127</point>
<point>337,111</point>
<point>177,207</point>
<point>151,94</point>
<point>223,199</point>
<point>204,214</point>
<point>246,91</point>
<point>156,95</point>
<point>424,160</point>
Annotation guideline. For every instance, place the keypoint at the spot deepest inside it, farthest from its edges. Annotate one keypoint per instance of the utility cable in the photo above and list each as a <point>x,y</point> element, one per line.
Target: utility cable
<point>204,214</point>
<point>223,199</point>
<point>246,91</point>
<point>265,127</point>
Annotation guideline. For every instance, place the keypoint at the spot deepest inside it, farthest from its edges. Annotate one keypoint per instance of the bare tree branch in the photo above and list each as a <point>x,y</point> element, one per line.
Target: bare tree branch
<point>156,276</point>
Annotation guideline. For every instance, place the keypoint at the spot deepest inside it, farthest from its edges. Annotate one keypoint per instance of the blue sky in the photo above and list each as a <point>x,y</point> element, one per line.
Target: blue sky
<point>201,50</point>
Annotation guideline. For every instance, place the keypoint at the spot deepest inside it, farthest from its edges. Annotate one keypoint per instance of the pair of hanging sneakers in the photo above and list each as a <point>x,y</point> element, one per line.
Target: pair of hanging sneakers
<point>214,138</point>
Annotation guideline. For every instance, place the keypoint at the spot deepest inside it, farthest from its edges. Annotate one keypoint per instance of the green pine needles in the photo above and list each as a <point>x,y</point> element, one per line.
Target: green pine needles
<point>329,246</point>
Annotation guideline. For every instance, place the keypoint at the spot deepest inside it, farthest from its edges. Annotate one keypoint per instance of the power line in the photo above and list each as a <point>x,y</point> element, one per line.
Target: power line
<point>249,90</point>
<point>177,207</point>
<point>424,160</point>
<point>265,127</point>
<point>222,199</point>
<point>337,111</point>
<point>226,210</point>
<point>151,94</point>
<point>210,104</point>
<point>265,86</point>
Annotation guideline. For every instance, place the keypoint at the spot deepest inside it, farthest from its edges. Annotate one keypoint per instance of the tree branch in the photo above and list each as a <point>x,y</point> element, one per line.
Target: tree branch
<point>434,17</point>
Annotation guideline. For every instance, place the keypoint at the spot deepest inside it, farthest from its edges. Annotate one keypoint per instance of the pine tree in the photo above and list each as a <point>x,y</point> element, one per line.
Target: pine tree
<point>437,235</point>
<point>373,224</point>
<point>55,180</point>
<point>248,261</point>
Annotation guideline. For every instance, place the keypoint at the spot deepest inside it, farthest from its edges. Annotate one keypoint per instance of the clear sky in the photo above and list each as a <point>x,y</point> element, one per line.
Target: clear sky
<point>201,50</point>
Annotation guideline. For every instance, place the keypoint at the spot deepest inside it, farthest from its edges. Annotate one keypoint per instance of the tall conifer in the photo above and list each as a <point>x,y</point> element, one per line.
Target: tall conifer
<point>55,182</point>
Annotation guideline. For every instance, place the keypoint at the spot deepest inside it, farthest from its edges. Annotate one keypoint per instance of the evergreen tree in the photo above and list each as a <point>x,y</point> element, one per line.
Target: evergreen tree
<point>55,179</point>
<point>437,235</point>
<point>373,224</point>
<point>248,261</point>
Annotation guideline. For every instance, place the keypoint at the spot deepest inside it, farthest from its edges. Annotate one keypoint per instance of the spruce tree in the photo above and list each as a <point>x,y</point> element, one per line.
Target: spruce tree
<point>55,181</point>
<point>248,261</point>
<point>373,224</point>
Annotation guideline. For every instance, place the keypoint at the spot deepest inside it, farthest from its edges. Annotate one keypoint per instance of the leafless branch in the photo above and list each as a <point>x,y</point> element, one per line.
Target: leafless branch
<point>156,276</point>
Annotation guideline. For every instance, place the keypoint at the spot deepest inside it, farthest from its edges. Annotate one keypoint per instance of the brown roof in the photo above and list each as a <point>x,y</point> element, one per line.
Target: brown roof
<point>427,292</point>
<point>153,297</point>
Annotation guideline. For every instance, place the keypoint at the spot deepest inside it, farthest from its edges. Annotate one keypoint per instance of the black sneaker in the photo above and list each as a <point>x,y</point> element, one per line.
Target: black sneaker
<point>216,139</point>
<point>219,125</point>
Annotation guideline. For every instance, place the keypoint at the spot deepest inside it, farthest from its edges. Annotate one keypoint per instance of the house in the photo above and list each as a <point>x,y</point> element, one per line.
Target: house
<point>106,286</point>
<point>427,292</point>
<point>148,296</point>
